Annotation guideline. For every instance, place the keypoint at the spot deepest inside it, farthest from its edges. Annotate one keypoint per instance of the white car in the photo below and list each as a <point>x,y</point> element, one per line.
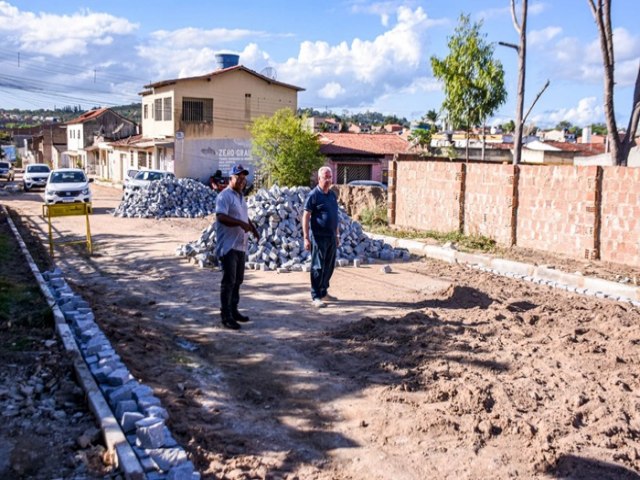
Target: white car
<point>67,185</point>
<point>35,176</point>
<point>367,183</point>
<point>143,178</point>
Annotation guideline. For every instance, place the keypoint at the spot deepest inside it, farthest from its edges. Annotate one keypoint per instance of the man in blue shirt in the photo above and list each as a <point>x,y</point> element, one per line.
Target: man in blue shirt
<point>232,226</point>
<point>321,214</point>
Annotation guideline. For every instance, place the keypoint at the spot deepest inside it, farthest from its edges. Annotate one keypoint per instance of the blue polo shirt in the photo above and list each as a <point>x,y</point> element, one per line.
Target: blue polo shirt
<point>324,212</point>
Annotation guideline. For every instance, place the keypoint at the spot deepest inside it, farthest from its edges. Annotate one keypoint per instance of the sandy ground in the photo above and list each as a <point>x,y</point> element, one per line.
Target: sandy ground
<point>433,371</point>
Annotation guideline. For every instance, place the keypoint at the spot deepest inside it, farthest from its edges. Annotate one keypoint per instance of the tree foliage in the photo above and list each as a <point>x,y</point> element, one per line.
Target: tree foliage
<point>288,153</point>
<point>421,138</point>
<point>473,80</point>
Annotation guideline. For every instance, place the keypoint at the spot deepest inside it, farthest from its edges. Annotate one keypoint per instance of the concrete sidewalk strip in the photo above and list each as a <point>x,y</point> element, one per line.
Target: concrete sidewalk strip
<point>543,275</point>
<point>73,318</point>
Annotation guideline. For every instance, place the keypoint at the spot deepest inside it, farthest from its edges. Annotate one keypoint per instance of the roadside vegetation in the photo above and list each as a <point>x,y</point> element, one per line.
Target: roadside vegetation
<point>374,220</point>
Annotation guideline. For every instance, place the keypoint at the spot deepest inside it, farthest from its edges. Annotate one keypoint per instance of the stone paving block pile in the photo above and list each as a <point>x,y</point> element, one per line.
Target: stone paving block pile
<point>137,410</point>
<point>277,215</point>
<point>169,197</point>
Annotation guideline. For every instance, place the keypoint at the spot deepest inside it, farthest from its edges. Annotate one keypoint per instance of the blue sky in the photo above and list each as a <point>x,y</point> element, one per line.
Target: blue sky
<point>349,55</point>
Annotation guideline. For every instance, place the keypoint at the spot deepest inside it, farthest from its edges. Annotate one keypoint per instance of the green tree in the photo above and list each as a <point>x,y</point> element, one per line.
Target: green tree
<point>508,127</point>
<point>288,153</point>
<point>421,138</point>
<point>473,80</point>
<point>598,128</point>
<point>564,125</point>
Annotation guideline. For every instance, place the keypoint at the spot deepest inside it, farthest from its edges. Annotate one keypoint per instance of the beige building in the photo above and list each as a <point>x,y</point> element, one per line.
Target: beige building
<point>194,126</point>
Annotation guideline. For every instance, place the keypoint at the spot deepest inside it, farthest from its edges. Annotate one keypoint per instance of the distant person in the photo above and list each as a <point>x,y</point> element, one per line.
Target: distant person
<point>321,214</point>
<point>232,226</point>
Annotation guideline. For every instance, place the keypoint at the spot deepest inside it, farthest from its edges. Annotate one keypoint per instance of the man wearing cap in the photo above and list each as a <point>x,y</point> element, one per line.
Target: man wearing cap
<point>232,226</point>
<point>321,214</point>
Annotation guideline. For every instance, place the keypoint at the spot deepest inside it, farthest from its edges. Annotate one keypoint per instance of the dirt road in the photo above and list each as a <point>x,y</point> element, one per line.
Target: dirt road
<point>433,371</point>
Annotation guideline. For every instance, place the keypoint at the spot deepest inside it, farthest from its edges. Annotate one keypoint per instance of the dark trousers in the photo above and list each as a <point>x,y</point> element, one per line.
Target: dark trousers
<point>323,261</point>
<point>232,277</point>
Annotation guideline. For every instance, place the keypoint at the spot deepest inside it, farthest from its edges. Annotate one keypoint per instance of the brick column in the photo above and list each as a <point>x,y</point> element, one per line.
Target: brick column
<point>391,187</point>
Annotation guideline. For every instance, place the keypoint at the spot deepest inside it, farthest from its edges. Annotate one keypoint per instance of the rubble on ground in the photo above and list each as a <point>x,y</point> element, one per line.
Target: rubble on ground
<point>277,215</point>
<point>169,197</point>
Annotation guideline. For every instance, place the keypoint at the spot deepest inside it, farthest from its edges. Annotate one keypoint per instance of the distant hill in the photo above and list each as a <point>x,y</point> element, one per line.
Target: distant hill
<point>17,118</point>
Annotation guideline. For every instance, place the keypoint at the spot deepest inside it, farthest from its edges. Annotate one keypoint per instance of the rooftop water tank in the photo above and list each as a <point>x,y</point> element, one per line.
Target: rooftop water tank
<point>226,60</point>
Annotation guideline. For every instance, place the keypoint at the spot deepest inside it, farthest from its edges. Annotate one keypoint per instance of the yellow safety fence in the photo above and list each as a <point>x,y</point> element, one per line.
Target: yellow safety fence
<point>65,210</point>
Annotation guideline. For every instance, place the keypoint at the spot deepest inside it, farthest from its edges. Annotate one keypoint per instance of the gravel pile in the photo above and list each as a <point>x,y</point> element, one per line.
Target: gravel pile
<point>277,215</point>
<point>169,197</point>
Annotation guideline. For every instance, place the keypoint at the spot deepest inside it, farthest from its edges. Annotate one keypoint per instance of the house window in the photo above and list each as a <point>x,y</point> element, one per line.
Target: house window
<point>197,110</point>
<point>146,112</point>
<point>247,106</point>
<point>157,109</point>
<point>167,109</point>
<point>142,160</point>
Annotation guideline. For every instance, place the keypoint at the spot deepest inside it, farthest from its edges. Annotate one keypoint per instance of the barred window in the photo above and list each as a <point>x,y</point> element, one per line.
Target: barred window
<point>146,111</point>
<point>157,109</point>
<point>195,110</point>
<point>167,109</point>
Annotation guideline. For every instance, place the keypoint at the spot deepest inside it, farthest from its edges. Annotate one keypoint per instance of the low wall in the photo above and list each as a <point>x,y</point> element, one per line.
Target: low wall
<point>580,211</point>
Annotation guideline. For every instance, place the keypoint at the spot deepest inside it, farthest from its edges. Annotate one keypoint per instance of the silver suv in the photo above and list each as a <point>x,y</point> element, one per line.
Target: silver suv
<point>35,176</point>
<point>6,171</point>
<point>143,178</point>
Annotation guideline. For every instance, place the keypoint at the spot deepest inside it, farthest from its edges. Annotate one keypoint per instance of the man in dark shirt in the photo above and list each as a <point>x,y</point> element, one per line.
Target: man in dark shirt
<point>321,214</point>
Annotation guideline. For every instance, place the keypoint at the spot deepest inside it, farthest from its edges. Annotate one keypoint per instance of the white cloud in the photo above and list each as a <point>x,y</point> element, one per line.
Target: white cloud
<point>197,38</point>
<point>541,37</point>
<point>331,90</point>
<point>365,69</point>
<point>588,111</point>
<point>60,35</point>
<point>575,60</point>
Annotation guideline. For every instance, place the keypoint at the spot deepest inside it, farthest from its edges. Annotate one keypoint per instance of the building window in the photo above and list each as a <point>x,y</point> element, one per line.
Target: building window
<point>197,110</point>
<point>145,112</point>
<point>142,160</point>
<point>247,106</point>
<point>157,109</point>
<point>167,109</point>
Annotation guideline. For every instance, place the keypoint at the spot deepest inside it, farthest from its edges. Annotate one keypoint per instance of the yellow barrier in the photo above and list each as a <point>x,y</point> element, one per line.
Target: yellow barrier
<point>66,210</point>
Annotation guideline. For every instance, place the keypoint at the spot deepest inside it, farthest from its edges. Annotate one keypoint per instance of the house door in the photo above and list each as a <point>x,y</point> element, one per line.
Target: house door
<point>347,173</point>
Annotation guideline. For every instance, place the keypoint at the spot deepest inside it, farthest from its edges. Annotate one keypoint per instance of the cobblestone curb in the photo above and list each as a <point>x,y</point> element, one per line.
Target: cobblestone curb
<point>540,274</point>
<point>121,404</point>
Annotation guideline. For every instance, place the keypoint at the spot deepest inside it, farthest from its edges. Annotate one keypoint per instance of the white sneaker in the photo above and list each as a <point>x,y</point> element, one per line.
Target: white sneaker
<point>329,298</point>
<point>318,303</point>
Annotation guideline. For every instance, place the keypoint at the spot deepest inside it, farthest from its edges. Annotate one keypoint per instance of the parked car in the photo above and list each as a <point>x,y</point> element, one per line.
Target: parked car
<point>67,185</point>
<point>131,173</point>
<point>35,176</point>
<point>6,171</point>
<point>367,183</point>
<point>143,178</point>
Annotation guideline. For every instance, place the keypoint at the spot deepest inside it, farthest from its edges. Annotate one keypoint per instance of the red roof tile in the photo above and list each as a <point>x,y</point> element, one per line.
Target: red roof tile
<point>90,115</point>
<point>358,143</point>
<point>585,149</point>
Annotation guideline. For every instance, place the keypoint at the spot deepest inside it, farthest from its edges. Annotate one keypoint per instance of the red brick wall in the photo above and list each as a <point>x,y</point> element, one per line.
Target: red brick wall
<point>561,209</point>
<point>620,231</point>
<point>488,201</point>
<point>428,195</point>
<point>557,210</point>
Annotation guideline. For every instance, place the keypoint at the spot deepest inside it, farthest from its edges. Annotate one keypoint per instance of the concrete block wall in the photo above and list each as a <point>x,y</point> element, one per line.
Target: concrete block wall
<point>431,195</point>
<point>557,209</point>
<point>581,211</point>
<point>489,201</point>
<point>620,230</point>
